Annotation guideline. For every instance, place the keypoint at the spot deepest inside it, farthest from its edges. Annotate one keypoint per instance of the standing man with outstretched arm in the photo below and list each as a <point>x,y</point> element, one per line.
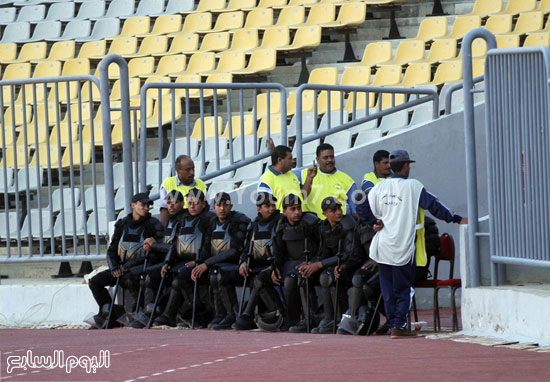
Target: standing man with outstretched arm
<point>395,203</point>
<point>183,182</point>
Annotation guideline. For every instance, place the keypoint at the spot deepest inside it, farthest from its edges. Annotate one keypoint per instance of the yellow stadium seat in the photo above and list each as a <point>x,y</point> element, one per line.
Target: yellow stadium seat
<point>166,117</point>
<point>305,38</point>
<point>39,114</point>
<point>133,85</point>
<point>416,74</point>
<point>42,69</point>
<point>538,39</point>
<point>385,76</point>
<point>261,61</point>
<point>544,6</point>
<point>73,67</point>
<point>76,152</point>
<point>82,114</point>
<point>244,39</point>
<point>207,5</point>
<point>478,67</point>
<point>219,78</point>
<point>356,76</point>
<point>197,22</point>
<point>198,62</point>
<point>167,65</point>
<point>499,24</point>
<point>271,3</point>
<point>484,8</point>
<point>136,67</point>
<point>479,49</point>
<point>247,125</point>
<point>116,135</point>
<point>375,53</point>
<point>228,21</point>
<point>8,51</point>
<point>163,25</point>
<point>8,134</point>
<point>515,7</point>
<point>464,24</point>
<point>291,16</point>
<point>275,37</point>
<point>431,28</point>
<point>319,14</point>
<point>29,51</point>
<point>507,41</point>
<point>529,22</point>
<point>275,125</point>
<point>322,102</point>
<point>447,72</point>
<point>407,51</point>
<point>387,100</point>
<point>261,104</point>
<point>122,46</point>
<point>181,43</point>
<point>134,26</point>
<point>40,156</point>
<point>60,50</point>
<point>188,79</point>
<point>441,49</point>
<point>230,60</point>
<point>149,46</point>
<point>17,115</point>
<point>325,76</point>
<point>301,2</point>
<point>154,93</point>
<point>209,128</point>
<point>92,49</point>
<point>12,72</point>
<point>308,102</point>
<point>259,18</point>
<point>215,42</point>
<point>236,5</point>
<point>68,135</point>
<point>351,15</point>
<point>10,157</point>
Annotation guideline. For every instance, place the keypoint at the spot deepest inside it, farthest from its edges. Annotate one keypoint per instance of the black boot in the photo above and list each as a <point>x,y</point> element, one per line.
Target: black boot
<point>168,318</point>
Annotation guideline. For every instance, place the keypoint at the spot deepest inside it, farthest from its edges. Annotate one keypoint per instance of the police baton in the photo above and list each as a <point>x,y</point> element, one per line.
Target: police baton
<point>195,287</point>
<point>142,281</point>
<point>248,257</point>
<point>306,255</point>
<point>107,324</point>
<point>339,255</point>
<point>161,285</point>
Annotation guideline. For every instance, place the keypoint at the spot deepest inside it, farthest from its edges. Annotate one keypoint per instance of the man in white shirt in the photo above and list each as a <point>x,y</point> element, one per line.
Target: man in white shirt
<point>395,203</point>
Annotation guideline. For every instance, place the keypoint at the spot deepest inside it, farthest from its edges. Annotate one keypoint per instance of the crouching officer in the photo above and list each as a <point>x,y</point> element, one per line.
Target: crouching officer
<point>188,242</point>
<point>133,236</point>
<point>338,243</point>
<point>255,265</point>
<point>296,237</point>
<point>227,235</point>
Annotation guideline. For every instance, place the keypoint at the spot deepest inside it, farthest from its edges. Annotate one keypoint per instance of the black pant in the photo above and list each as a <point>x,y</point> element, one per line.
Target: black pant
<point>103,279</point>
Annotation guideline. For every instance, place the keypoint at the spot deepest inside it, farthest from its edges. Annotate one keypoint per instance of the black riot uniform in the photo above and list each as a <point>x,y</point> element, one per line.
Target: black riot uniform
<point>226,244</point>
<point>289,247</point>
<point>339,240</point>
<point>188,241</point>
<point>258,253</point>
<point>125,252</point>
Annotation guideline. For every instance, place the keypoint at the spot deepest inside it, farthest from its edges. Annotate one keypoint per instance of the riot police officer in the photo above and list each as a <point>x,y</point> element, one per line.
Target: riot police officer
<point>296,238</point>
<point>227,235</point>
<point>338,242</point>
<point>189,243</point>
<point>255,263</point>
<point>133,236</point>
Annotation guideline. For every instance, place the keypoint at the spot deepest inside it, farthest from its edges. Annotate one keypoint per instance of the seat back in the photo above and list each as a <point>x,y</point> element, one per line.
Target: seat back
<point>321,13</point>
<point>507,41</point>
<point>92,49</point>
<point>537,39</point>
<point>76,29</point>
<point>184,43</point>
<point>63,49</point>
<point>245,39</point>
<point>197,22</point>
<point>123,45</point>
<point>32,13</point>
<point>16,32</point>
<point>90,9</point>
<point>167,24</point>
<point>136,25</point>
<point>120,8</point>
<point>199,62</point>
<point>446,253</point>
<point>515,7</point>
<point>499,24</point>
<point>417,74</point>
<point>409,50</point>
<point>261,17</point>
<point>486,7</point>
<point>215,42</point>
<point>529,22</point>
<point>464,24</point>
<point>61,11</point>
<point>275,37</point>
<point>229,20</point>
<point>431,28</point>
<point>8,51</point>
<point>443,49</point>
<point>32,51</point>
<point>291,16</point>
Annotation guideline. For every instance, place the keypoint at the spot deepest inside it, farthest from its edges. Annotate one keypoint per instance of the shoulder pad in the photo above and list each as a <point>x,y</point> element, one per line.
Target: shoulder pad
<point>310,218</point>
<point>240,218</point>
<point>348,223</point>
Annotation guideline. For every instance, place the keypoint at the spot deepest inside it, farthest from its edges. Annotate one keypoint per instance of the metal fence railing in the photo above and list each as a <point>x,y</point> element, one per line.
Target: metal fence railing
<point>50,206</point>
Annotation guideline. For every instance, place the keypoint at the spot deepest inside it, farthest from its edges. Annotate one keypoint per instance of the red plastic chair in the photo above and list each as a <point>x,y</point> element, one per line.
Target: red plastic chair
<point>446,253</point>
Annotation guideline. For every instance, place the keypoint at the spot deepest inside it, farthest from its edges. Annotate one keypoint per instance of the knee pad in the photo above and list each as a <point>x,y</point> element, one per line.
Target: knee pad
<point>291,281</point>
<point>326,279</point>
<point>258,283</point>
<point>359,279</point>
<point>177,285</point>
<point>214,276</point>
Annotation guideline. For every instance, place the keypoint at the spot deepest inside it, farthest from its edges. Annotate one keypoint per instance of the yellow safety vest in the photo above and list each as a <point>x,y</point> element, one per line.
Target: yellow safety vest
<point>336,184</point>
<point>282,185</point>
<point>171,183</point>
<point>421,256</point>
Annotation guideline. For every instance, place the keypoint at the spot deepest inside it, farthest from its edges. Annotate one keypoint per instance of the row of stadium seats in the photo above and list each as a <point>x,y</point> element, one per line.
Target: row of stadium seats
<point>486,8</point>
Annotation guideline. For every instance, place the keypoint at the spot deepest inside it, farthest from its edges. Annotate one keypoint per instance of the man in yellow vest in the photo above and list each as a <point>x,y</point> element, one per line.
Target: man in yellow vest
<point>183,182</point>
<point>328,181</point>
<point>278,179</point>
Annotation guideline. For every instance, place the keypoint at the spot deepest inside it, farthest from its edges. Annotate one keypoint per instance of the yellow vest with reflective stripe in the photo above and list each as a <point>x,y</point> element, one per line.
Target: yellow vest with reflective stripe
<point>282,185</point>
<point>421,256</point>
<point>171,183</point>
<point>372,177</point>
<point>323,185</point>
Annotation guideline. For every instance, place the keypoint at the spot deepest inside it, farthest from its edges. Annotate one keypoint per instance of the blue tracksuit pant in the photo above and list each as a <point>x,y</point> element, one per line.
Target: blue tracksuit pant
<point>397,284</point>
